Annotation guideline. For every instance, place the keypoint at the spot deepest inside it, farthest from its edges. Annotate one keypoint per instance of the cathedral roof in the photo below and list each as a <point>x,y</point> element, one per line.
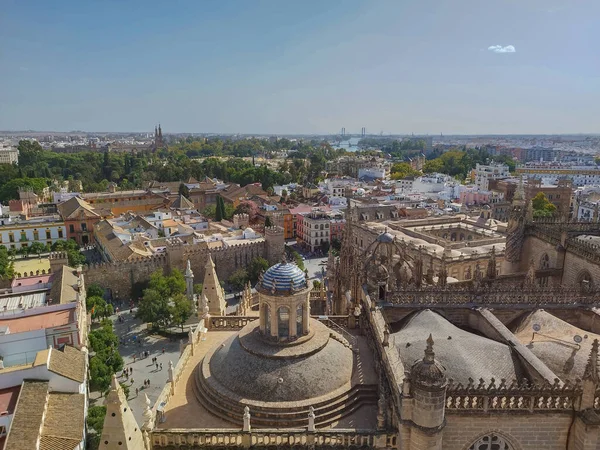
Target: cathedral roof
<point>555,343</point>
<point>464,355</point>
<point>283,276</point>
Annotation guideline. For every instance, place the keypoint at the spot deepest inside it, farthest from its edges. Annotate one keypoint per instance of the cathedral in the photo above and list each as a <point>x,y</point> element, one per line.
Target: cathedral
<point>428,342</point>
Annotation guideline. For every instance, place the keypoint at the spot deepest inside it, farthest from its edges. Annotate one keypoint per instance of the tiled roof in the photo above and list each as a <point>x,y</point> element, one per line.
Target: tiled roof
<point>64,422</point>
<point>26,423</point>
<point>283,275</point>
<point>68,208</point>
<point>64,286</point>
<point>182,203</point>
<point>69,362</point>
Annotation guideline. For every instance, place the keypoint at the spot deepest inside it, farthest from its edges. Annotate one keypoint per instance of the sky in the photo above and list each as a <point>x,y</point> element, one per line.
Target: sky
<point>310,66</point>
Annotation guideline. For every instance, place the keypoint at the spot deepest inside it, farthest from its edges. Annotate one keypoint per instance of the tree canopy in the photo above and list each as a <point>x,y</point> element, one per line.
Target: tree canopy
<point>542,207</point>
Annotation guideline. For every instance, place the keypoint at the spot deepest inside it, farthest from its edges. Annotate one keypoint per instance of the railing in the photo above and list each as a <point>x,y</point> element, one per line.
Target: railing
<point>229,322</point>
<point>338,324</point>
<point>529,296</point>
<point>523,397</point>
<point>231,438</point>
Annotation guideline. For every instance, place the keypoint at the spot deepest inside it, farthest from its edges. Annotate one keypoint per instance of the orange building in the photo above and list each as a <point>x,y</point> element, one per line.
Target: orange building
<point>79,218</point>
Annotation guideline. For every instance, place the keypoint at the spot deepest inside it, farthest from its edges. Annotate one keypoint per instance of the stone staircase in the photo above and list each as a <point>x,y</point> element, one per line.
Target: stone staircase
<point>327,411</point>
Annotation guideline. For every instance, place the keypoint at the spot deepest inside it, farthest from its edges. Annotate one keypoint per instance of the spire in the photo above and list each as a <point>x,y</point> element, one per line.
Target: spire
<point>591,368</point>
<point>520,192</point>
<point>155,131</point>
<point>429,353</point>
<point>491,268</point>
<point>188,270</point>
<point>120,428</point>
<point>159,131</point>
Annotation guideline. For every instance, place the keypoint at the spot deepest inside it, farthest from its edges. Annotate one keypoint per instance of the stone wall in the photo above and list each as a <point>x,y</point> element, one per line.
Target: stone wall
<point>523,431</point>
<point>121,277</point>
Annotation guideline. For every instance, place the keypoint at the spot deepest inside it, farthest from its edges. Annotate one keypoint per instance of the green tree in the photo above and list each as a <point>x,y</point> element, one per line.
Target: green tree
<point>181,310</point>
<point>316,284</point>
<point>238,279</point>
<point>268,221</point>
<point>107,360</point>
<point>95,421</point>
<point>257,265</point>
<point>7,270</point>
<point>402,170</point>
<point>154,308</point>
<point>220,210</point>
<point>198,289</point>
<point>37,248</point>
<point>94,290</point>
<point>298,259</point>
<point>542,207</point>
<point>325,247</point>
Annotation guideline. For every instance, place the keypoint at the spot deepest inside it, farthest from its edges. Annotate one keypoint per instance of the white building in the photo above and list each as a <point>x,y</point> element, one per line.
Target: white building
<point>484,173</point>
<point>552,173</point>
<point>9,155</point>
<point>20,234</point>
<point>376,172</point>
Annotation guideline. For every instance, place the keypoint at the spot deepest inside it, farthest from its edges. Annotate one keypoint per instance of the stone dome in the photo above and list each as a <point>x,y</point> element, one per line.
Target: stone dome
<point>385,238</point>
<point>283,277</point>
<point>246,367</point>
<point>428,373</point>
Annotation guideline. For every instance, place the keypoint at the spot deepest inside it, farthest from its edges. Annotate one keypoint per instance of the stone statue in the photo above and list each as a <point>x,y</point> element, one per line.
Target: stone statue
<point>247,419</point>
<point>171,378</point>
<point>311,419</point>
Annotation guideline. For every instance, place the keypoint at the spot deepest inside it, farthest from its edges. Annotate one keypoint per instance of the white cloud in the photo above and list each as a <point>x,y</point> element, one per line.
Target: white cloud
<point>500,49</point>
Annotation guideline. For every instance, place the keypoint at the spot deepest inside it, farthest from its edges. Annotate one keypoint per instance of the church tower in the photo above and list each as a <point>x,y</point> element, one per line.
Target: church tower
<point>120,431</point>
<point>516,230</point>
<point>212,290</point>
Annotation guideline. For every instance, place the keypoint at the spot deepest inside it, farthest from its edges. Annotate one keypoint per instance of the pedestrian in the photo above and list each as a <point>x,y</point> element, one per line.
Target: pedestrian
<point>148,381</point>
<point>132,380</point>
<point>163,350</point>
<point>131,370</point>
<point>137,392</point>
<point>160,366</point>
<point>156,366</point>
<point>134,355</point>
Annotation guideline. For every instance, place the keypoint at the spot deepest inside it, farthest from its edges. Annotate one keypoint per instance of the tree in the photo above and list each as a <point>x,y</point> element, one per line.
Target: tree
<point>238,279</point>
<point>220,210</point>
<point>284,194</point>
<point>247,207</point>
<point>94,290</point>
<point>256,267</point>
<point>183,190</point>
<point>154,308</point>
<point>181,310</point>
<point>542,207</point>
<point>95,421</point>
<point>74,255</point>
<point>37,248</point>
<point>325,247</point>
<point>7,270</point>
<point>298,259</point>
<point>198,289</point>
<point>107,360</point>
<point>268,221</point>
<point>402,170</point>
<point>336,244</point>
<point>316,284</point>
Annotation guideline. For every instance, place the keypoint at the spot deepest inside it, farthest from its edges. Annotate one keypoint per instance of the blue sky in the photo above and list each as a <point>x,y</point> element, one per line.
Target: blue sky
<point>400,66</point>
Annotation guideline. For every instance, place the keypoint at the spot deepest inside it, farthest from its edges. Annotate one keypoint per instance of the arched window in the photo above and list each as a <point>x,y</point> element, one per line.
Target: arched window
<point>462,236</point>
<point>585,281</point>
<point>300,320</point>
<point>267,318</point>
<point>283,322</point>
<point>453,237</point>
<point>545,262</point>
<point>491,441</point>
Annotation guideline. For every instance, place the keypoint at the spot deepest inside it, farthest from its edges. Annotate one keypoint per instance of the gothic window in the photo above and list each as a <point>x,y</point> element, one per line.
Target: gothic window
<point>491,442</point>
<point>462,236</point>
<point>545,262</point>
<point>283,322</point>
<point>453,237</point>
<point>300,320</point>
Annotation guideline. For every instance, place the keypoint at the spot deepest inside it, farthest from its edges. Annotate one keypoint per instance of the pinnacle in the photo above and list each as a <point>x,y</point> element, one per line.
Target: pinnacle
<point>591,368</point>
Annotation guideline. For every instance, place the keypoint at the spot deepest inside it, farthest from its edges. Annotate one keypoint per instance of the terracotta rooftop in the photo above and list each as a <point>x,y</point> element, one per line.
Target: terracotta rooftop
<point>64,286</point>
<point>8,399</point>
<point>31,281</point>
<point>69,362</point>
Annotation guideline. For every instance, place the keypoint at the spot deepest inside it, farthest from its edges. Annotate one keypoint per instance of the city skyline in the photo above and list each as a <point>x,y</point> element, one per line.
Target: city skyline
<point>501,68</point>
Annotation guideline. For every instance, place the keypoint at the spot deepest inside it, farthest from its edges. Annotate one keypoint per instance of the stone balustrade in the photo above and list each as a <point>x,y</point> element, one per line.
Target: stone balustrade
<point>284,438</point>
<point>491,296</point>
<point>512,397</point>
<point>229,322</point>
